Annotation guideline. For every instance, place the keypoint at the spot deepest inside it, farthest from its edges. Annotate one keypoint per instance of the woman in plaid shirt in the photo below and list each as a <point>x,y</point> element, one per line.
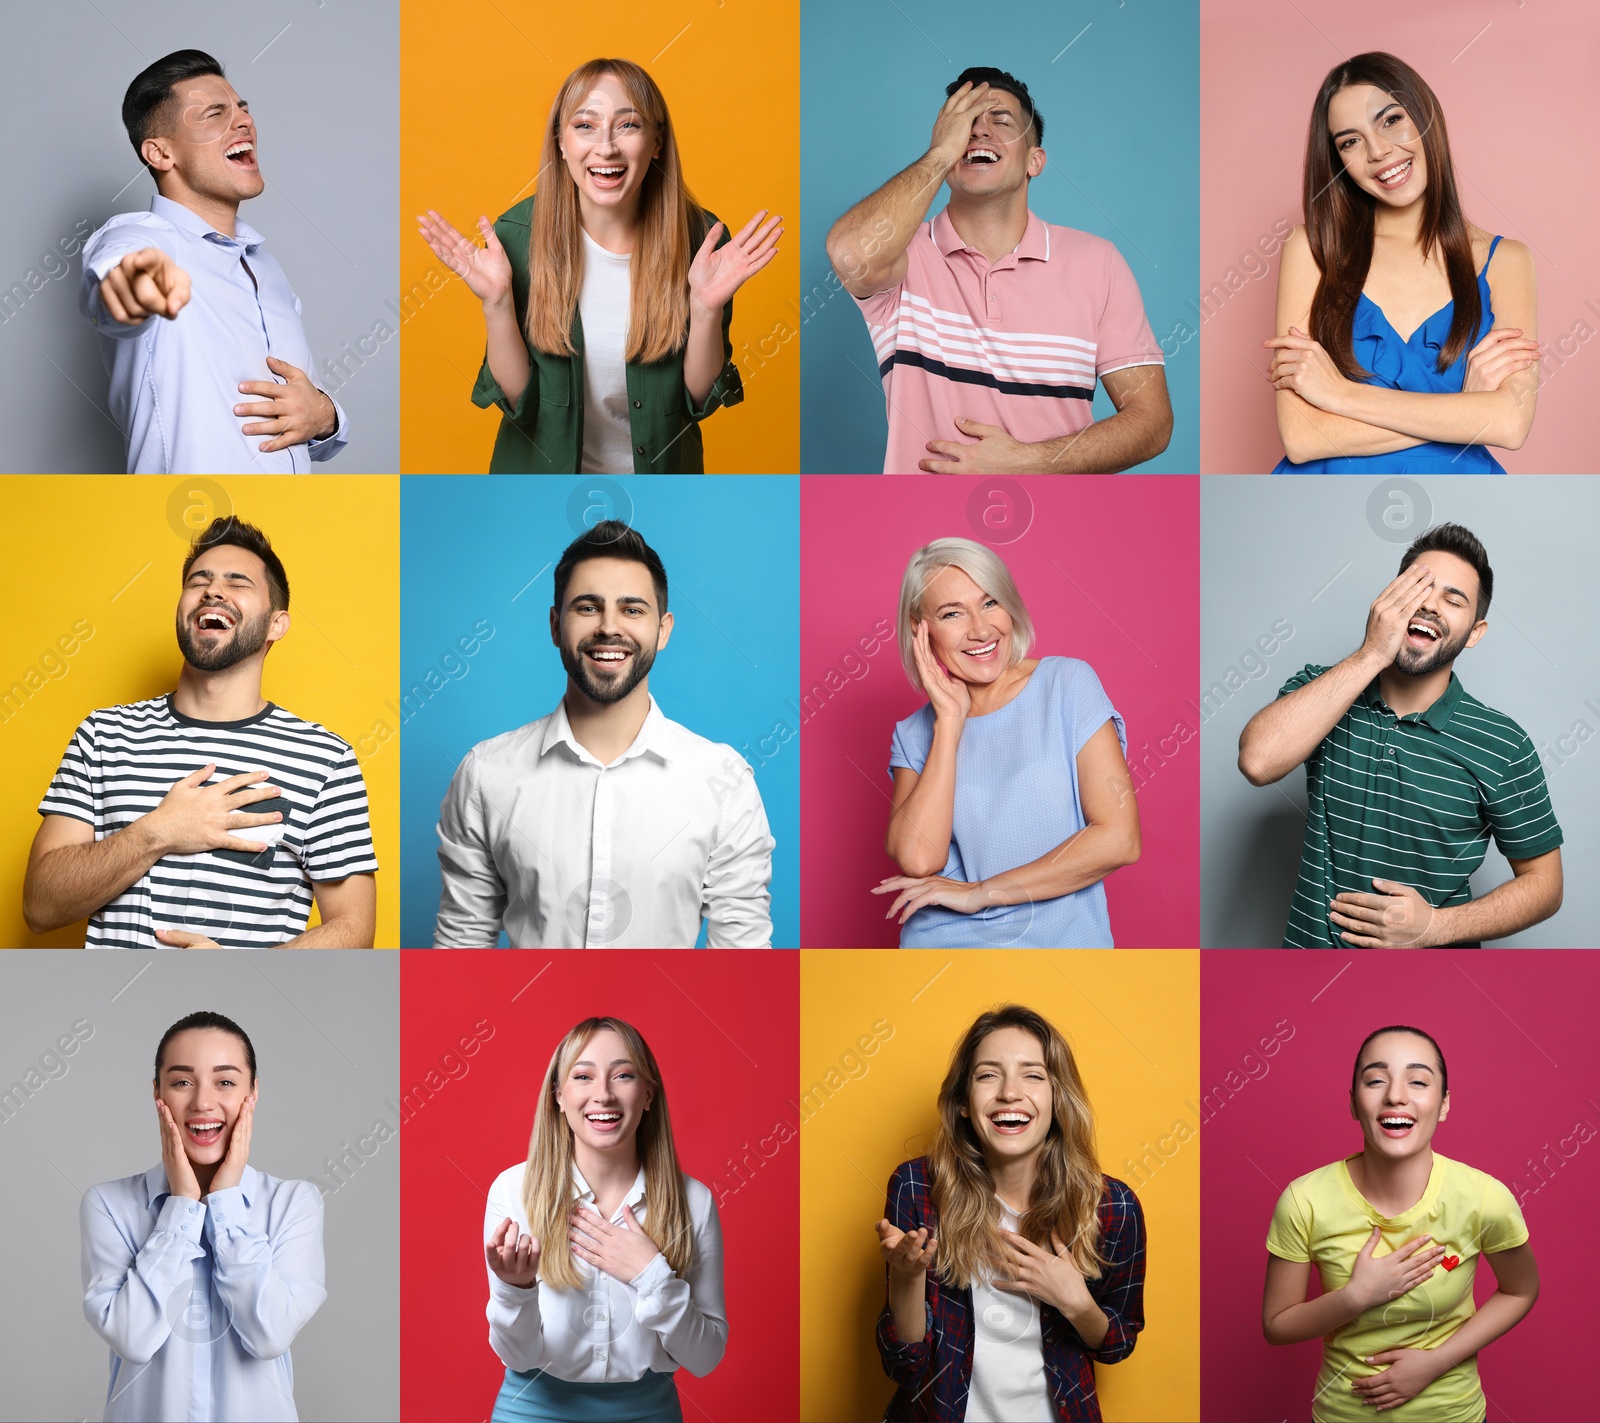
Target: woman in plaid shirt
<point>1012,1263</point>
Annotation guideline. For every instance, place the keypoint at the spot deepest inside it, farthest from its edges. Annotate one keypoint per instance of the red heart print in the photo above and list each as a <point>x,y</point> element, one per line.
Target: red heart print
<point>1450,1261</point>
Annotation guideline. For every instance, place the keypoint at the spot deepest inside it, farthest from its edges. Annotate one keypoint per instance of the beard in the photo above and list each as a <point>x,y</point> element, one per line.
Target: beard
<point>248,638</point>
<point>1415,662</point>
<point>593,683</point>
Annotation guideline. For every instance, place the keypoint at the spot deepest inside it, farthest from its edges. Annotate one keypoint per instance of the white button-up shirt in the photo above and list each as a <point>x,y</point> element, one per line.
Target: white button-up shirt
<point>200,1300</point>
<point>174,383</point>
<point>537,837</point>
<point>607,1331</point>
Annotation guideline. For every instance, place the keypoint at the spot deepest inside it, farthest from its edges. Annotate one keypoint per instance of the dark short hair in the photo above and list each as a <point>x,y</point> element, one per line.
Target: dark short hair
<point>1444,1072</point>
<point>235,533</point>
<point>144,106</point>
<point>611,538</point>
<point>207,1020</point>
<point>998,79</point>
<point>1463,543</point>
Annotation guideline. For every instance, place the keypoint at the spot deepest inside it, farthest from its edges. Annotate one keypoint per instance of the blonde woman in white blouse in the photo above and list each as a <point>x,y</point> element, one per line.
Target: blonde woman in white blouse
<point>604,1259</point>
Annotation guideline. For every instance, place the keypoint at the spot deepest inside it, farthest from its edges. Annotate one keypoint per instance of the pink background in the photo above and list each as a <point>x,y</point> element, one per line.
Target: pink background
<point>1523,106</point>
<point>1517,1030</point>
<point>1128,544</point>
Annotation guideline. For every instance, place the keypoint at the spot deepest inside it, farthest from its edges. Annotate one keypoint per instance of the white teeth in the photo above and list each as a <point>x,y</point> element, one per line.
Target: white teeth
<point>1395,1123</point>
<point>982,155</point>
<point>215,620</point>
<point>1393,172</point>
<point>1010,1119</point>
<point>239,148</point>
<point>609,656</point>
<point>983,651</point>
<point>608,172</point>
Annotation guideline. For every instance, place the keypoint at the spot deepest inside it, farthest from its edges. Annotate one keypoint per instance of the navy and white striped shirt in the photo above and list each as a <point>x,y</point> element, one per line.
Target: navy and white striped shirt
<point>122,760</point>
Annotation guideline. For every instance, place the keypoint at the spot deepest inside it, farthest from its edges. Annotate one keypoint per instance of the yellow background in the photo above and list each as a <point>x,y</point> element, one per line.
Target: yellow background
<point>110,549</point>
<point>476,86</point>
<point>1133,1020</point>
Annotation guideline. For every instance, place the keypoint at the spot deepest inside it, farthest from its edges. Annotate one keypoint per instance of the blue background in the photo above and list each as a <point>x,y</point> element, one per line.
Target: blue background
<point>469,546</point>
<point>1121,113</point>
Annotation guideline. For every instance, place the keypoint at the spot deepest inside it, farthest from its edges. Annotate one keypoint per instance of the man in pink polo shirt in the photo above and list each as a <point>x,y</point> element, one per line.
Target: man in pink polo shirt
<point>990,325</point>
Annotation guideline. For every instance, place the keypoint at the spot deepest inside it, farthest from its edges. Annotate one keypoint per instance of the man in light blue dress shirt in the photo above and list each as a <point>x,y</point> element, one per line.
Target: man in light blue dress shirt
<point>199,328</point>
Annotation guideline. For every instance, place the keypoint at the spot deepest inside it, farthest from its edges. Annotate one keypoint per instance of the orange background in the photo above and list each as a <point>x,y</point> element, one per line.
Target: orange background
<point>474,96</point>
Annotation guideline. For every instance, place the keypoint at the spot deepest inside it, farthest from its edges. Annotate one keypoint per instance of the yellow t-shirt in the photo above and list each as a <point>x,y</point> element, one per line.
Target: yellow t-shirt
<point>1323,1219</point>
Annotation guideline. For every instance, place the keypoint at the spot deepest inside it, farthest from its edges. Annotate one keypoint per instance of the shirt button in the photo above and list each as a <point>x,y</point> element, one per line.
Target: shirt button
<point>638,405</point>
<point>641,449</point>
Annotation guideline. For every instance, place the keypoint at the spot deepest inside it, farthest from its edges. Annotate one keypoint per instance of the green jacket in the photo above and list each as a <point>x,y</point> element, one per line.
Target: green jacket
<point>543,432</point>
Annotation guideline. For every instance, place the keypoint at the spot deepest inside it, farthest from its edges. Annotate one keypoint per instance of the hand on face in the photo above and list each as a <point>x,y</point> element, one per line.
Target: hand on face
<point>231,1171</point>
<point>1377,1281</point>
<point>513,1257</point>
<point>952,129</point>
<point>1392,611</point>
<point>906,1253</point>
<point>1396,917</point>
<point>622,1251</point>
<point>180,1173</point>
<point>949,695</point>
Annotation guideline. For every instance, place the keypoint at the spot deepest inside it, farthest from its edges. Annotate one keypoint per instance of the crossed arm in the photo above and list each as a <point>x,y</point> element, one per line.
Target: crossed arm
<point>1323,415</point>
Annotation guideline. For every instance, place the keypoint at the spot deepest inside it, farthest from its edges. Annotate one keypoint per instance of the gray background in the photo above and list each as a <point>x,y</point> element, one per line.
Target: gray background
<point>1310,550</point>
<point>323,82</point>
<point>326,1032</point>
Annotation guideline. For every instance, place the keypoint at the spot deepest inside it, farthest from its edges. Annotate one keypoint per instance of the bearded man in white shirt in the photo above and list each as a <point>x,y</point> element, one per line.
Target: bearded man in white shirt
<point>604,824</point>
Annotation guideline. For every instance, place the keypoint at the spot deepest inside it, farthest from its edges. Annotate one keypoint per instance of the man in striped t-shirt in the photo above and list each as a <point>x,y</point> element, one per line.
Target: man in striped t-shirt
<point>991,326</point>
<point>1407,776</point>
<point>209,818</point>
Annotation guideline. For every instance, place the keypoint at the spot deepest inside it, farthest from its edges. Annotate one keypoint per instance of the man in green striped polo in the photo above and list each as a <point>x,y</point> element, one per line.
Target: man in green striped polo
<point>1408,776</point>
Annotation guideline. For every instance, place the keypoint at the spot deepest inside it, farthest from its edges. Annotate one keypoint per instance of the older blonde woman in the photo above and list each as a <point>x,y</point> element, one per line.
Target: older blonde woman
<point>1012,800</point>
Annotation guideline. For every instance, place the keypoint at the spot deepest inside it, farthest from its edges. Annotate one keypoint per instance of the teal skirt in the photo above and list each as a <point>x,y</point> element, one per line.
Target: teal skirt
<point>542,1398</point>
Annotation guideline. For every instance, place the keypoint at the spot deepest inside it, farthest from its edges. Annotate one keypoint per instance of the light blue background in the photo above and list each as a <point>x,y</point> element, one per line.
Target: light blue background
<point>1121,115</point>
<point>485,547</point>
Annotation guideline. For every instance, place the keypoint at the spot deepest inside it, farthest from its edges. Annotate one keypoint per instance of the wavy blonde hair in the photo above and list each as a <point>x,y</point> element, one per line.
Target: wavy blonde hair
<point>548,1191</point>
<point>985,568</point>
<point>671,227</point>
<point>1066,1190</point>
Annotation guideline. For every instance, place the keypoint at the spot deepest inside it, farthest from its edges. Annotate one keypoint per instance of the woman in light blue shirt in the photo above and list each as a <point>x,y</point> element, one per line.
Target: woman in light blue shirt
<point>1012,799</point>
<point>200,1272</point>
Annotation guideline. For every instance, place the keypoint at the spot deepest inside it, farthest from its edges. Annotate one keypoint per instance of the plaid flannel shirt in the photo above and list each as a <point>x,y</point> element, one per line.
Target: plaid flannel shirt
<point>935,1374</point>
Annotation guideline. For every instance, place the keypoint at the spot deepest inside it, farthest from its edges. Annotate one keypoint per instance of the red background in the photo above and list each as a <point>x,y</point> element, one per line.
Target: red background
<point>724,1028</point>
<point>1517,1030</point>
<point>1129,544</point>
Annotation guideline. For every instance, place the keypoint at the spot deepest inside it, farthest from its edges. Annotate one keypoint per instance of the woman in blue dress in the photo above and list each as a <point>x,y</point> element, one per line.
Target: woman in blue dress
<point>1406,337</point>
<point>1012,799</point>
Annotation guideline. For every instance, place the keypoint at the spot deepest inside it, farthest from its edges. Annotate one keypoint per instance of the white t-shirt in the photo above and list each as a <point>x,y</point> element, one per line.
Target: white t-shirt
<point>1008,1379</point>
<point>603,309</point>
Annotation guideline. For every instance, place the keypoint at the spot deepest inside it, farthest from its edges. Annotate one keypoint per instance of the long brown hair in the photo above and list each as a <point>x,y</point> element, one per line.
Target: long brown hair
<point>1340,215</point>
<point>671,228</point>
<point>547,1186</point>
<point>1066,1189</point>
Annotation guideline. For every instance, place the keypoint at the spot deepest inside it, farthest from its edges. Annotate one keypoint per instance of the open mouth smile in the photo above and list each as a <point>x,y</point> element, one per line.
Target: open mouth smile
<point>1396,1125</point>
<point>982,654</point>
<point>608,176</point>
<point>610,658</point>
<point>204,1132</point>
<point>1395,175</point>
<point>214,620</point>
<point>603,1122</point>
<point>1010,1123</point>
<point>981,155</point>
<point>242,154</point>
<point>1422,634</point>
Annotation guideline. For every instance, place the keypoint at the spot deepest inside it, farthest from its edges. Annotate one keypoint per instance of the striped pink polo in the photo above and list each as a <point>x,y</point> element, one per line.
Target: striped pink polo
<point>1018,344</point>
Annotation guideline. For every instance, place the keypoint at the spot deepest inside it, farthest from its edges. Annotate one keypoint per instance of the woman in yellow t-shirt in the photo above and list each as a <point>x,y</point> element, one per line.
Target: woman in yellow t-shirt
<point>1396,1232</point>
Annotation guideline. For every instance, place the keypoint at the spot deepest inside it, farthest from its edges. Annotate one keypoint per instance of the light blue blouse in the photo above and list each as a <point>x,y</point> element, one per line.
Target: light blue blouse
<point>200,1300</point>
<point>1016,800</point>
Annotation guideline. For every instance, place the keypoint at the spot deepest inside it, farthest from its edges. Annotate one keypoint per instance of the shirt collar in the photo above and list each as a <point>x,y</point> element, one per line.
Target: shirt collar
<point>1035,242</point>
<point>244,235</point>
<point>632,1200</point>
<point>652,737</point>
<point>1438,715</point>
<point>156,1187</point>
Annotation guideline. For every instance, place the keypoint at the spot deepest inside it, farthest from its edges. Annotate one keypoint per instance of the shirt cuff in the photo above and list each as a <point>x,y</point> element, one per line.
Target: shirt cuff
<point>647,1284</point>
<point>727,389</point>
<point>226,1207</point>
<point>330,445</point>
<point>513,1295</point>
<point>183,1217</point>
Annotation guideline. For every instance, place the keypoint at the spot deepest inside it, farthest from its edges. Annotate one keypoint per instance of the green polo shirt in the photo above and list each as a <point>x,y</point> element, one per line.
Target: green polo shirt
<point>1414,799</point>
<point>543,432</point>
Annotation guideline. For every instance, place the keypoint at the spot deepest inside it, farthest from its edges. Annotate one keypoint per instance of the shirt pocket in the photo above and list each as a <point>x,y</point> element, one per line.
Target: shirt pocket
<point>555,382</point>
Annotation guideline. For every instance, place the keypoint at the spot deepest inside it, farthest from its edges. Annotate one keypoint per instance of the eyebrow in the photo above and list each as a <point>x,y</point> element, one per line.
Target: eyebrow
<point>615,112</point>
<point>990,1062</point>
<point>615,1062</point>
<point>180,1067</point>
<point>1449,589</point>
<point>1410,1066</point>
<point>212,573</point>
<point>1374,119</point>
<point>600,598</point>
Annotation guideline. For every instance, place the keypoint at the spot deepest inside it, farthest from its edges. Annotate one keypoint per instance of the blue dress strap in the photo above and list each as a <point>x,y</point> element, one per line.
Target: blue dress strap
<point>1490,257</point>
